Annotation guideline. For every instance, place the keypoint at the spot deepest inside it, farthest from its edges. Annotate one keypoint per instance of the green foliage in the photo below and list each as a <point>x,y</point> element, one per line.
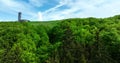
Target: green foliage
<point>79,40</point>
<point>23,43</point>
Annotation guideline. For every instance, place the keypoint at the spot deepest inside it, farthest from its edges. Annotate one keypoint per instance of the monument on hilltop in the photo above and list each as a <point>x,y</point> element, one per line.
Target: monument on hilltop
<point>19,16</point>
<point>22,20</point>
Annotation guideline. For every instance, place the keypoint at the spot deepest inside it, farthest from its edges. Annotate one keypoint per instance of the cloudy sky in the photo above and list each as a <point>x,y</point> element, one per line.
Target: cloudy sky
<point>44,10</point>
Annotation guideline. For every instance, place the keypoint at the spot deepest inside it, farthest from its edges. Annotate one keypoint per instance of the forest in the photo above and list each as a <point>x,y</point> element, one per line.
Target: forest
<point>74,40</point>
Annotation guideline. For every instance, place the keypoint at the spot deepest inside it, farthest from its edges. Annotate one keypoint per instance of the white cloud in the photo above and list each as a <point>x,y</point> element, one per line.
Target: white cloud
<point>74,8</point>
<point>83,8</point>
<point>48,13</point>
<point>40,16</point>
<point>37,3</point>
<point>61,3</point>
<point>12,7</point>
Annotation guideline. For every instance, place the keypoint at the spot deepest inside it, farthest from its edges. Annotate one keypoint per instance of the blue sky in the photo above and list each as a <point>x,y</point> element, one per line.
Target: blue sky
<point>44,10</point>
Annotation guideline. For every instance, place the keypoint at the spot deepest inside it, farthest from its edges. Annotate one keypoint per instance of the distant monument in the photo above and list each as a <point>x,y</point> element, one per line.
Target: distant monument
<point>19,16</point>
<point>22,20</point>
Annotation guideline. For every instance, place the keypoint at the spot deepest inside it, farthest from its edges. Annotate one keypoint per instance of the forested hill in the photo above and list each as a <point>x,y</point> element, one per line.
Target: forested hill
<point>75,40</point>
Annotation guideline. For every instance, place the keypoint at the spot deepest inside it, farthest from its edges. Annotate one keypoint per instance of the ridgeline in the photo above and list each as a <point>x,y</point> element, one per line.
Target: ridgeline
<point>75,40</point>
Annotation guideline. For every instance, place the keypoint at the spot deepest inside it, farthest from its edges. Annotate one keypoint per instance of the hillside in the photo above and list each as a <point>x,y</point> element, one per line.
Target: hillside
<point>75,40</point>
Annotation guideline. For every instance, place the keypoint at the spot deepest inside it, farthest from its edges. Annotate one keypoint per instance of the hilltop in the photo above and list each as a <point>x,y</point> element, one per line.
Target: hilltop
<point>74,40</point>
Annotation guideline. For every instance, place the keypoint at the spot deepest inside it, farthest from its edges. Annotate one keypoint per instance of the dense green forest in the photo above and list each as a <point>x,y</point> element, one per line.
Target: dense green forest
<point>75,40</point>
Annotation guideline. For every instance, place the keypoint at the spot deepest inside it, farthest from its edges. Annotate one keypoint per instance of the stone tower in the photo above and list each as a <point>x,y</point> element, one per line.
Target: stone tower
<point>19,16</point>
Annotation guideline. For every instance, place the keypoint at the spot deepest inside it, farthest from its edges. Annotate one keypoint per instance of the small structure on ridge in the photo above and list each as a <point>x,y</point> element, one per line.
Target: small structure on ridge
<point>22,20</point>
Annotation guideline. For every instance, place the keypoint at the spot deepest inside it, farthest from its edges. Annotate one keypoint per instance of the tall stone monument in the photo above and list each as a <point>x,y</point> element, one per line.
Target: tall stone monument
<point>19,16</point>
<point>20,19</point>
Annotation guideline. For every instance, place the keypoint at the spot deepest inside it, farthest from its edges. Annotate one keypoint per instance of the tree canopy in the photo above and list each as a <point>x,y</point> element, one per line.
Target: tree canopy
<point>75,40</point>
